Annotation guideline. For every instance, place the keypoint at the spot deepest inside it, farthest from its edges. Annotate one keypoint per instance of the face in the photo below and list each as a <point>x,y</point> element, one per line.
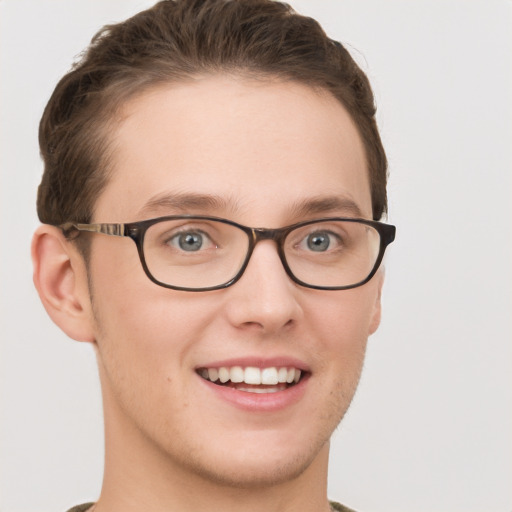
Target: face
<point>264,154</point>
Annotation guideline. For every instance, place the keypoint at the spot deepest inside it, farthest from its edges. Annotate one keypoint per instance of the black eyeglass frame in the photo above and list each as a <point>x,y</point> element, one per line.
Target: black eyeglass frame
<point>137,230</point>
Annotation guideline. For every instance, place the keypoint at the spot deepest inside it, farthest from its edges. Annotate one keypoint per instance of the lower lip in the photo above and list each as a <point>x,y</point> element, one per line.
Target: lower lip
<point>259,402</point>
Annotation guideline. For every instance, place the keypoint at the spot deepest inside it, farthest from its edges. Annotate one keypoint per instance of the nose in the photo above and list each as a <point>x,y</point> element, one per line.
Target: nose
<point>265,299</point>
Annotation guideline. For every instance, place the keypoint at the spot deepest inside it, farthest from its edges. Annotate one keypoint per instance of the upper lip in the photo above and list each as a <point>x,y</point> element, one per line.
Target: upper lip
<point>258,362</point>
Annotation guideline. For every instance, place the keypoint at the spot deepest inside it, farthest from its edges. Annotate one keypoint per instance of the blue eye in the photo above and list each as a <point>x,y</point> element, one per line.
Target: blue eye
<point>319,241</point>
<point>189,241</point>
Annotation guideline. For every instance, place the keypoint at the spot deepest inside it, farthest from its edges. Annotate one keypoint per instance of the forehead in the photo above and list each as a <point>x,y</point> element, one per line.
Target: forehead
<point>250,145</point>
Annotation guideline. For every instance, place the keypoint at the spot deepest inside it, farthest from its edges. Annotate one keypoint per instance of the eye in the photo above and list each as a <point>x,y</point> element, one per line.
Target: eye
<point>190,241</point>
<point>320,241</point>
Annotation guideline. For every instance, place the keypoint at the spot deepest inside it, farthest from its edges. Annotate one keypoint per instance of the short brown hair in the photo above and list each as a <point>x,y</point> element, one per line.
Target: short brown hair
<point>177,40</point>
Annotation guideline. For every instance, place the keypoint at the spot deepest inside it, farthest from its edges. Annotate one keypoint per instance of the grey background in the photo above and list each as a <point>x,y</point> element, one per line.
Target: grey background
<point>430,429</point>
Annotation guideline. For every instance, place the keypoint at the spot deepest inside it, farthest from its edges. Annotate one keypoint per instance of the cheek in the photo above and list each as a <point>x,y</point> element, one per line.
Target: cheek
<point>142,328</point>
<point>127,305</point>
<point>144,346</point>
<point>146,325</point>
<point>346,317</point>
<point>341,328</point>
<point>132,324</point>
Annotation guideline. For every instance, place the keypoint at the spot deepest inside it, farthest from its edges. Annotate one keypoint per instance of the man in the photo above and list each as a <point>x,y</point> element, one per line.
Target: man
<point>210,202</point>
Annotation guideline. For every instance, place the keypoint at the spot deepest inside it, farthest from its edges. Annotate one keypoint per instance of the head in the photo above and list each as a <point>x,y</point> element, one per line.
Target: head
<point>242,110</point>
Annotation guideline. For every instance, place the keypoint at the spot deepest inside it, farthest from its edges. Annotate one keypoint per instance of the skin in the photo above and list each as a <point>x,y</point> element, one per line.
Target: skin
<point>262,148</point>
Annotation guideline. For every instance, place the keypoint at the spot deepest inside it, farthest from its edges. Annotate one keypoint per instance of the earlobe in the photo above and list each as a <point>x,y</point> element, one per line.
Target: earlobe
<point>61,280</point>
<point>377,307</point>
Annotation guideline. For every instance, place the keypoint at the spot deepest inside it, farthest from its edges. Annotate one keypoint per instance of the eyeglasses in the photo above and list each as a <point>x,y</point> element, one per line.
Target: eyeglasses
<point>198,253</point>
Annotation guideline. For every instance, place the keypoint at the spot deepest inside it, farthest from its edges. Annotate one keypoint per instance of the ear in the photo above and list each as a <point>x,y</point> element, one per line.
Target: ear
<point>377,307</point>
<point>60,277</point>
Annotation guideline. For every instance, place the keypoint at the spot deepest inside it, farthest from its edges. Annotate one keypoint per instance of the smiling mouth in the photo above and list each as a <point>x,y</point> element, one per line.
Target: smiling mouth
<point>251,379</point>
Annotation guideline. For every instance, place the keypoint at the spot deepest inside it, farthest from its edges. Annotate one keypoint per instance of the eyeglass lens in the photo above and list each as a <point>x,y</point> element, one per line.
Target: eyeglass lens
<point>199,253</point>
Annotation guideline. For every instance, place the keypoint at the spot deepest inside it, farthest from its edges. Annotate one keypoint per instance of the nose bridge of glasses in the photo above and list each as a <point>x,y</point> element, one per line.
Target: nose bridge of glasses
<point>275,235</point>
<point>260,234</point>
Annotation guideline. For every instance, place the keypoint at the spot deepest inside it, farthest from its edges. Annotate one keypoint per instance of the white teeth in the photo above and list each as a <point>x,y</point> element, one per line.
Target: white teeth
<point>282,374</point>
<point>236,374</point>
<point>213,374</point>
<point>262,390</point>
<point>269,376</point>
<point>223,374</point>
<point>252,375</point>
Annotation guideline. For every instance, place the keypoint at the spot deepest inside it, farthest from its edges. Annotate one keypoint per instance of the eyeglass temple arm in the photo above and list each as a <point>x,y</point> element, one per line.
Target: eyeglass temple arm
<point>106,229</point>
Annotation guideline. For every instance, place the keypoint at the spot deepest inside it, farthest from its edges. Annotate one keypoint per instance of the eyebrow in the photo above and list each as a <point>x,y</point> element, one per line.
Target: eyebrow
<point>208,203</point>
<point>185,202</point>
<point>327,205</point>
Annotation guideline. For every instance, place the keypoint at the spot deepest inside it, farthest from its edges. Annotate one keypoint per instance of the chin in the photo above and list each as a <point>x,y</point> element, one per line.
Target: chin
<point>252,461</point>
<point>245,473</point>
